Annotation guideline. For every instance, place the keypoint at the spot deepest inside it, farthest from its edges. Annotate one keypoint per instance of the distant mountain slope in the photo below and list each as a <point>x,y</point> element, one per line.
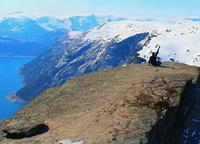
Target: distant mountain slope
<point>95,50</point>
<point>26,29</point>
<point>195,19</point>
<point>83,23</point>
<point>135,104</point>
<point>23,28</point>
<point>44,31</point>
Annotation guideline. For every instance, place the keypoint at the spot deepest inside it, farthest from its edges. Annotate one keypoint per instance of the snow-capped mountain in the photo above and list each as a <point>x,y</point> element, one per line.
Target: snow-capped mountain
<point>76,23</point>
<point>23,28</point>
<point>51,23</point>
<point>44,30</point>
<point>82,23</point>
<point>26,29</point>
<point>107,46</point>
<point>110,45</point>
<point>194,19</point>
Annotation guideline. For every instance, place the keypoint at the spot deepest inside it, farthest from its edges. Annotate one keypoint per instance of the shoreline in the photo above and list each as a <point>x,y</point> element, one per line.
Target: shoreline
<point>15,99</point>
<point>12,84</point>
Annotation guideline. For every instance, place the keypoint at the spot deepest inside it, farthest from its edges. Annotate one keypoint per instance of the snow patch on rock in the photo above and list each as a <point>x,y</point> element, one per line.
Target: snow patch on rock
<point>70,142</point>
<point>121,30</point>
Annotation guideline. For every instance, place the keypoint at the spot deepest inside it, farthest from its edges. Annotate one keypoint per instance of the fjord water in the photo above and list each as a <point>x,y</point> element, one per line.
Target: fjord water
<point>10,82</point>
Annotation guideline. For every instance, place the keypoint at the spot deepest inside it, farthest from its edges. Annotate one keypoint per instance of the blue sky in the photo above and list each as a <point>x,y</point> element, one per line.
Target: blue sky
<point>132,8</point>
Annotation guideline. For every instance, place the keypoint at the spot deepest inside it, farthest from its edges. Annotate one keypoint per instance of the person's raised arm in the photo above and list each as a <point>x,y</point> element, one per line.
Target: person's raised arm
<point>158,51</point>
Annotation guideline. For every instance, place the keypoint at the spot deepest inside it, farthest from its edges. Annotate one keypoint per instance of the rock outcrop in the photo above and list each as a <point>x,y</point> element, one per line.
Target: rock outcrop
<point>135,104</point>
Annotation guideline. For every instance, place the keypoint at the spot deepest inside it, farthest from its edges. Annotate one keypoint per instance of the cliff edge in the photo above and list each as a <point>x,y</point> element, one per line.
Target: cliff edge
<point>135,104</point>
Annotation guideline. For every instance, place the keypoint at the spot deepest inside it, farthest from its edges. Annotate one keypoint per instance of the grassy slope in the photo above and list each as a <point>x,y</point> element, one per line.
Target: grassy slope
<point>121,103</point>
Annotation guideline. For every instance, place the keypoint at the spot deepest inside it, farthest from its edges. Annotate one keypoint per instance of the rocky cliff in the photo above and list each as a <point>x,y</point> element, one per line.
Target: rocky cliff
<point>135,104</point>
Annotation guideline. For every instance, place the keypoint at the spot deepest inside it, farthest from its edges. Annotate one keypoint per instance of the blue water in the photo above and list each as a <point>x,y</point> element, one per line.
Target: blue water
<point>10,82</point>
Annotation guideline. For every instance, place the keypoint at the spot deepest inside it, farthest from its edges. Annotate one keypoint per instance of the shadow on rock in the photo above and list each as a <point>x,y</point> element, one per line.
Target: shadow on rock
<point>39,129</point>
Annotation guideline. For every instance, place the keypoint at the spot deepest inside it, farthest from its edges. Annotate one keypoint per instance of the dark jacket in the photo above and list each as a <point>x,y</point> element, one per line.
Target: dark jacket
<point>153,58</point>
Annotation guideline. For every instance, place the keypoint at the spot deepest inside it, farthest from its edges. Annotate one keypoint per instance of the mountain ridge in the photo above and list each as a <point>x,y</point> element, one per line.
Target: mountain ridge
<point>110,45</point>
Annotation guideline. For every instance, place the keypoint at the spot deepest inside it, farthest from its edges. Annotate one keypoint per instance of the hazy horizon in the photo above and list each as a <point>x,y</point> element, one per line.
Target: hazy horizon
<point>151,9</point>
